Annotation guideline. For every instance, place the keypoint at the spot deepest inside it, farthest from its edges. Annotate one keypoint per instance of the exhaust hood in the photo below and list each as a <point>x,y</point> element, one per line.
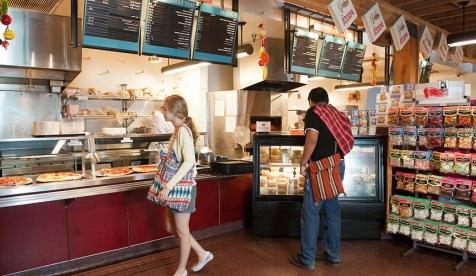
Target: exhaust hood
<point>278,80</point>
<point>41,52</point>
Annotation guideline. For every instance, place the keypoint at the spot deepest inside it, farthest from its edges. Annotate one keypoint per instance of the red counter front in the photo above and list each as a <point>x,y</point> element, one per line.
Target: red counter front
<point>46,233</point>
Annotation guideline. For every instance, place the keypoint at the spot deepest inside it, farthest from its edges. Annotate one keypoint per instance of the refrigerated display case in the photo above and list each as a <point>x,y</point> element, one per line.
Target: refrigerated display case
<point>278,187</point>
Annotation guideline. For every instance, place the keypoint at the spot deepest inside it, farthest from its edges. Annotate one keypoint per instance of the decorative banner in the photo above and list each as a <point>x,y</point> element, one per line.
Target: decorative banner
<point>374,23</point>
<point>400,33</point>
<point>442,47</point>
<point>426,43</point>
<point>458,55</point>
<point>343,13</point>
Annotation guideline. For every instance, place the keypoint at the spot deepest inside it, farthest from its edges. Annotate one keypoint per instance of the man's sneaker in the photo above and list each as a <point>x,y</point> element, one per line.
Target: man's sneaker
<point>324,257</point>
<point>296,261</point>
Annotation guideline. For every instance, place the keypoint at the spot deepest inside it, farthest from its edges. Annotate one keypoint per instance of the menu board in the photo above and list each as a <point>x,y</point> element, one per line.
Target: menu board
<point>332,54</point>
<point>113,25</point>
<point>168,28</point>
<point>304,52</point>
<point>353,59</point>
<point>215,35</point>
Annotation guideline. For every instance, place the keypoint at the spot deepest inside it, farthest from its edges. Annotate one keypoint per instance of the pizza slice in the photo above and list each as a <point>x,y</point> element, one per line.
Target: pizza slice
<point>145,168</point>
<point>14,181</point>
<point>58,177</point>
<point>114,172</point>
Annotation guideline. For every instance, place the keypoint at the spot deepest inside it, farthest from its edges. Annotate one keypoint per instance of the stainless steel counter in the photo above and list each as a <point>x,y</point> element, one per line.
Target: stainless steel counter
<point>44,192</point>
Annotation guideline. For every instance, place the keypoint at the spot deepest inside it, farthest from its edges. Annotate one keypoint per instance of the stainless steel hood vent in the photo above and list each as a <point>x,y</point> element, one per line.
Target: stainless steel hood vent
<point>41,52</point>
<point>41,6</point>
<point>278,80</point>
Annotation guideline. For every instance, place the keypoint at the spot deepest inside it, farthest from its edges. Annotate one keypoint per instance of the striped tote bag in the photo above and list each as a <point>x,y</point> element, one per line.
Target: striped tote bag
<point>326,182</point>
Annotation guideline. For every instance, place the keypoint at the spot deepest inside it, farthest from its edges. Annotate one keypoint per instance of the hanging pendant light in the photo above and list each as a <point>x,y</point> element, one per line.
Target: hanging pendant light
<point>463,38</point>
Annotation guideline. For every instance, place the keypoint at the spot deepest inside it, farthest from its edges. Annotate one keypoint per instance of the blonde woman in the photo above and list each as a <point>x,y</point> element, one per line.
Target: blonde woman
<point>174,185</point>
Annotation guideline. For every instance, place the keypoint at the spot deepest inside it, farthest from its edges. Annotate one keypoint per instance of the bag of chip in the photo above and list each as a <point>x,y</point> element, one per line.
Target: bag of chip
<point>418,228</point>
<point>405,207</point>
<point>400,179</point>
<point>409,182</point>
<point>465,138</point>
<point>421,116</point>
<point>460,238</point>
<point>435,116</point>
<point>447,162</point>
<point>405,226</point>
<point>451,137</point>
<point>395,204</point>
<point>465,115</point>
<point>447,188</point>
<point>445,234</point>
<point>463,216</point>
<point>435,137</point>
<point>393,116</point>
<point>436,210</point>
<point>395,136</point>
<point>435,163</point>
<point>423,137</point>
<point>463,189</point>
<point>407,115</point>
<point>396,158</point>
<point>410,136</point>
<point>421,183</point>
<point>421,208</point>
<point>431,232</point>
<point>422,160</point>
<point>408,159</point>
<point>449,213</point>
<point>450,114</point>
<point>434,184</point>
<point>393,222</point>
<point>462,163</point>
<point>472,242</point>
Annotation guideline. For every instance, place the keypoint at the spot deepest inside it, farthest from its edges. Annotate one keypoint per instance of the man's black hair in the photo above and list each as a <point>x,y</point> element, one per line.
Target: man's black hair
<point>318,95</point>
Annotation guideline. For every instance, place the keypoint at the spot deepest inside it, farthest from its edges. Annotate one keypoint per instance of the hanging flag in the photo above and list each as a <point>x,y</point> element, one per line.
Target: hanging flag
<point>458,56</point>
<point>374,23</point>
<point>400,33</point>
<point>343,13</point>
<point>442,47</point>
<point>426,43</point>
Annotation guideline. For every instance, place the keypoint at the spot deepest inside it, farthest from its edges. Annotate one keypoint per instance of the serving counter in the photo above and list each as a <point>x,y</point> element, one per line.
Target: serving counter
<point>74,225</point>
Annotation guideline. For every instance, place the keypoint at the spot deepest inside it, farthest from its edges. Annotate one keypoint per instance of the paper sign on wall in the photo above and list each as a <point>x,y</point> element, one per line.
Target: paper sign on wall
<point>426,43</point>
<point>343,14</point>
<point>374,23</point>
<point>458,55</point>
<point>400,33</point>
<point>442,47</point>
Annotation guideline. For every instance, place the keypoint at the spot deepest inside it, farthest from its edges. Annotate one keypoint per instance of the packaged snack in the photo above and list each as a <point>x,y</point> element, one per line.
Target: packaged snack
<point>395,204</point>
<point>449,213</point>
<point>393,116</point>
<point>473,218</point>
<point>465,115</point>
<point>460,238</point>
<point>418,228</point>
<point>408,159</point>
<point>451,137</point>
<point>421,208</point>
<point>450,114</point>
<point>393,222</point>
<point>445,234</point>
<point>395,136</point>
<point>447,162</point>
<point>465,138</point>
<point>400,177</point>
<point>421,183</point>
<point>409,95</point>
<point>409,182</point>
<point>473,164</point>
<point>407,115</point>
<point>463,216</point>
<point>462,163</point>
<point>431,232</point>
<point>435,163</point>
<point>382,120</point>
<point>473,198</point>
<point>395,158</point>
<point>421,116</point>
<point>405,207</point>
<point>463,189</point>
<point>447,187</point>
<point>363,114</point>
<point>435,116</point>
<point>423,137</point>
<point>434,184</point>
<point>405,226</point>
<point>422,160</point>
<point>410,136</point>
<point>435,137</point>
<point>436,210</point>
<point>472,242</point>
<point>382,97</point>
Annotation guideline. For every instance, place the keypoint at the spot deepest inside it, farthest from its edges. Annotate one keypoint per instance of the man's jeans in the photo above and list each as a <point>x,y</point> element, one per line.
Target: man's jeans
<point>310,219</point>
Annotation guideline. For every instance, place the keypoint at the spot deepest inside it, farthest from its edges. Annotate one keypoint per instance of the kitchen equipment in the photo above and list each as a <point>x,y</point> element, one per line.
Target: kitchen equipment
<point>72,126</point>
<point>43,128</point>
<point>242,136</point>
<point>205,156</point>
<point>231,167</point>
<point>114,130</point>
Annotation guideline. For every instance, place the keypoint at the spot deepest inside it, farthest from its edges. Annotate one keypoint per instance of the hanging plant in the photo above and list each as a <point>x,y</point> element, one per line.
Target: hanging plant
<point>6,20</point>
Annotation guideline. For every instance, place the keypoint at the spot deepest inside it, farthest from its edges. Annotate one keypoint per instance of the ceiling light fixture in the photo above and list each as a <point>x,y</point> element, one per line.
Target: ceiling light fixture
<point>463,38</point>
<point>182,66</point>
<point>154,59</point>
<point>357,86</point>
<point>244,50</point>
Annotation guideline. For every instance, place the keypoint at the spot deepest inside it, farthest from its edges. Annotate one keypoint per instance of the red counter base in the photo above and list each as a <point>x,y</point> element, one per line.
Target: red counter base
<point>42,234</point>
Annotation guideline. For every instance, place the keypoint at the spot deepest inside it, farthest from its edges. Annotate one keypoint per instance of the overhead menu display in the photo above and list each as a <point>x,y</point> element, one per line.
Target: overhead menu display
<point>332,54</point>
<point>113,25</point>
<point>215,35</point>
<point>353,59</point>
<point>305,52</point>
<point>168,28</point>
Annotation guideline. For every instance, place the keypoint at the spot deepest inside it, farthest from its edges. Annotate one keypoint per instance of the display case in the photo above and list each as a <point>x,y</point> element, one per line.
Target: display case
<point>278,186</point>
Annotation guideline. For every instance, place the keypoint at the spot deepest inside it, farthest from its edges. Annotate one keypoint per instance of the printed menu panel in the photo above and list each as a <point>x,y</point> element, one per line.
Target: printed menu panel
<point>215,35</point>
<point>304,52</point>
<point>113,25</point>
<point>353,59</point>
<point>331,58</point>
<point>168,28</point>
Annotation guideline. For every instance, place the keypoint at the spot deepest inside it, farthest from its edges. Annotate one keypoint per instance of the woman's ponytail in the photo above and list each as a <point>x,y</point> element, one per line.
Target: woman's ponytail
<point>191,125</point>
